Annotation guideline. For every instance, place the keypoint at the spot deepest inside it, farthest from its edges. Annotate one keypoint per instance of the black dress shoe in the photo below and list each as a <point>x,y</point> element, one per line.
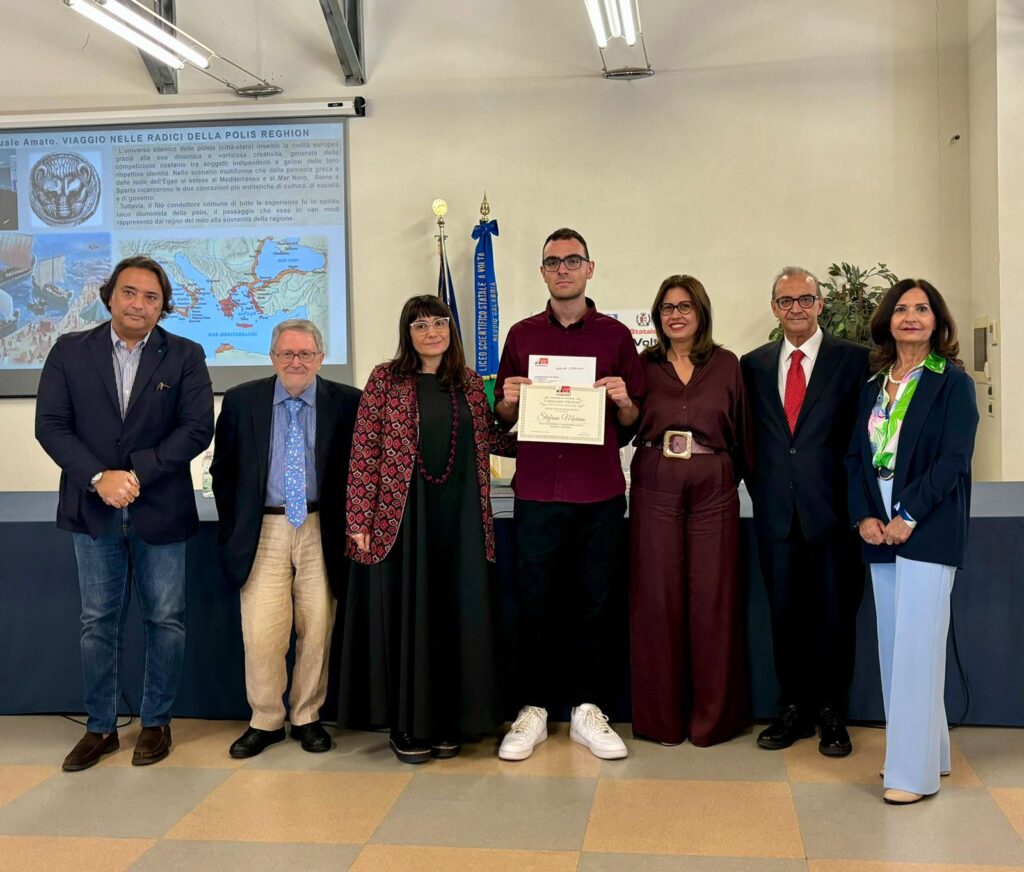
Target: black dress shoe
<point>253,742</point>
<point>443,749</point>
<point>407,749</point>
<point>784,731</point>
<point>314,737</point>
<point>90,748</point>
<point>835,741</point>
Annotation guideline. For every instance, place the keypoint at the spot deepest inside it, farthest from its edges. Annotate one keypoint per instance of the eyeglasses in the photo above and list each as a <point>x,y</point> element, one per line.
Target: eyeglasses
<point>289,356</point>
<point>805,301</point>
<point>421,327</point>
<point>683,308</point>
<point>571,261</point>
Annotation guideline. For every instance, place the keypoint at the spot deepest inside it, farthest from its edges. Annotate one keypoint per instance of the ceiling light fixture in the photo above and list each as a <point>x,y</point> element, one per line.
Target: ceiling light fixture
<point>162,36</point>
<point>144,43</point>
<point>162,39</point>
<point>618,19</point>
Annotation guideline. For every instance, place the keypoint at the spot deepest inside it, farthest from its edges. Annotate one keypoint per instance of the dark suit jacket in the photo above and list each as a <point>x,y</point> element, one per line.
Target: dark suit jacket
<point>241,464</point>
<point>803,471</point>
<point>933,468</point>
<point>169,421</point>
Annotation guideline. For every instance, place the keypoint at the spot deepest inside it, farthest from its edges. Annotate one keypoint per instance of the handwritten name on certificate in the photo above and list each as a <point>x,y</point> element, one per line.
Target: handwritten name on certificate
<point>562,413</point>
<point>563,369</point>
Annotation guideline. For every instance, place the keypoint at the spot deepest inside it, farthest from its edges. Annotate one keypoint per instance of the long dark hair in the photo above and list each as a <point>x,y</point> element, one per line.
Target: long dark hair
<point>452,370</point>
<point>943,339</point>
<point>703,343</point>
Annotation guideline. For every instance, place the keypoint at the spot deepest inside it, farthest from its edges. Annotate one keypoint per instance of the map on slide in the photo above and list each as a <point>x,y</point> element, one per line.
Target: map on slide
<point>230,293</point>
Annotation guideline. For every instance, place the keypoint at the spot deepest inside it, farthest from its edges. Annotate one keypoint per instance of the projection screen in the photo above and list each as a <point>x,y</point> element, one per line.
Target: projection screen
<point>247,216</point>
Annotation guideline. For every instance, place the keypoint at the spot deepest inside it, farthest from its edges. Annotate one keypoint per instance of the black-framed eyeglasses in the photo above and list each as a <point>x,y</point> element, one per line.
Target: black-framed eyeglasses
<point>683,308</point>
<point>805,301</point>
<point>422,326</point>
<point>289,356</point>
<point>571,261</point>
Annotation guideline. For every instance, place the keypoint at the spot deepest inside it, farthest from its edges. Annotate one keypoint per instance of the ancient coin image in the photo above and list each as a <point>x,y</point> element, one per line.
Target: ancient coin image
<point>65,189</point>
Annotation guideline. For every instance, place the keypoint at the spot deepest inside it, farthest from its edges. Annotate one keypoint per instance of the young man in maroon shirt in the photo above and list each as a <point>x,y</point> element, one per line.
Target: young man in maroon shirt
<point>570,505</point>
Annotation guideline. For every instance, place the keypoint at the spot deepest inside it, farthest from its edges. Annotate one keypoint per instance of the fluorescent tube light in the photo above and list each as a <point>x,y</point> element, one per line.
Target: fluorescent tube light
<point>103,19</point>
<point>147,27</point>
<point>597,22</point>
<point>630,16</point>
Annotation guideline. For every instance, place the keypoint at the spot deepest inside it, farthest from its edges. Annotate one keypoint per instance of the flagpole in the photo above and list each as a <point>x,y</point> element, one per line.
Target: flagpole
<point>445,289</point>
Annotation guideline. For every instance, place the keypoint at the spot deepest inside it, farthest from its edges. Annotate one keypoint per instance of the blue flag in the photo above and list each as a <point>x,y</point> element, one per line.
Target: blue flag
<point>445,289</point>
<point>486,305</point>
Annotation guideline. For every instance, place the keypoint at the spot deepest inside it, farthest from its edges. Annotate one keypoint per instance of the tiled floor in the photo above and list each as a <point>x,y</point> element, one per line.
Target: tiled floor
<point>732,808</point>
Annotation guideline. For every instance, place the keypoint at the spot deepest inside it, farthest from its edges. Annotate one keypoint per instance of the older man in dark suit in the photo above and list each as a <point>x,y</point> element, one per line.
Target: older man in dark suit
<point>122,409</point>
<point>803,391</point>
<point>280,468</point>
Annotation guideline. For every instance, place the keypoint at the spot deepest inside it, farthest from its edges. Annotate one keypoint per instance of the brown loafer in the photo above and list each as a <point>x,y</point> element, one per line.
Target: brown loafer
<point>153,745</point>
<point>90,748</point>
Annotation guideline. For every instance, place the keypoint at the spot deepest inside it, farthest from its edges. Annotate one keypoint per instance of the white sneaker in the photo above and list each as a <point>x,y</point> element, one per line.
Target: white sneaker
<point>527,731</point>
<point>589,726</point>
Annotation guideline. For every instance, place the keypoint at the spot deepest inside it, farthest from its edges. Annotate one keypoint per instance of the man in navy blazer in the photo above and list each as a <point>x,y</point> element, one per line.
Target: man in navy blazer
<point>122,409</point>
<point>285,555</point>
<point>803,392</point>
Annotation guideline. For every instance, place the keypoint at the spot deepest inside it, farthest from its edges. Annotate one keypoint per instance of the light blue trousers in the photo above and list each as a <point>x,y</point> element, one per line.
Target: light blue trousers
<point>912,610</point>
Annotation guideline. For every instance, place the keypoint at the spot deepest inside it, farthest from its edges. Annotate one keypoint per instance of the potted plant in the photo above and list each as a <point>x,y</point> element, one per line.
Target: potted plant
<point>851,295</point>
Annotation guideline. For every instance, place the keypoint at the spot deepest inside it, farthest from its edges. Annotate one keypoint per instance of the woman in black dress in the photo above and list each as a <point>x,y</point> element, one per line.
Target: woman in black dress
<point>418,651</point>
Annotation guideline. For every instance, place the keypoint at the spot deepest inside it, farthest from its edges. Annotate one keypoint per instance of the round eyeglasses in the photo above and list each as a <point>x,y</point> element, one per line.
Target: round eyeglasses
<point>683,308</point>
<point>421,327</point>
<point>304,356</point>
<point>571,261</point>
<point>805,301</point>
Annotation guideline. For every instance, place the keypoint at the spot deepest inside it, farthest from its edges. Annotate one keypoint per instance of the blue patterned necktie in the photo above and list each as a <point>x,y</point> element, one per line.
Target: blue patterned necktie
<point>294,465</point>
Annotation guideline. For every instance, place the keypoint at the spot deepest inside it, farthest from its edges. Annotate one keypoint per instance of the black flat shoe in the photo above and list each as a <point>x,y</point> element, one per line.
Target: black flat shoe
<point>253,742</point>
<point>786,730</point>
<point>443,749</point>
<point>407,749</point>
<point>835,741</point>
<point>314,737</point>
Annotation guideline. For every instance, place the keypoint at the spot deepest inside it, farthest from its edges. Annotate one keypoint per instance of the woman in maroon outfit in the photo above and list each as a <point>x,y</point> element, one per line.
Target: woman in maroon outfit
<point>686,611</point>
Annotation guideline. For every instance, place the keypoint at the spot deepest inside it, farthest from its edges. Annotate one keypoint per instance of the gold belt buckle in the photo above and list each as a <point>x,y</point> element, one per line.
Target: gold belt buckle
<point>677,444</point>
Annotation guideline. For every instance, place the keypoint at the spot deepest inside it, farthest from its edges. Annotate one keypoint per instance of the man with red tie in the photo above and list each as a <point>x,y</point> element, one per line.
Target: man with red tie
<point>803,390</point>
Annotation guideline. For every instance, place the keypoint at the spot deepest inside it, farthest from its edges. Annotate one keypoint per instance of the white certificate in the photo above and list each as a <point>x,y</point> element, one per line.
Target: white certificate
<point>562,369</point>
<point>562,413</point>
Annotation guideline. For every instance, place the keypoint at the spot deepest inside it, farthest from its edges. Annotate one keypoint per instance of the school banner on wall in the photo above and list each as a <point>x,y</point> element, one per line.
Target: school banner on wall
<point>486,305</point>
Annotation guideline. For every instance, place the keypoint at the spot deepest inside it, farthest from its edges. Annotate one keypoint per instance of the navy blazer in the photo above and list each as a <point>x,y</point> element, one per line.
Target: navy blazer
<point>933,468</point>
<point>169,420</point>
<point>241,464</point>
<point>802,472</point>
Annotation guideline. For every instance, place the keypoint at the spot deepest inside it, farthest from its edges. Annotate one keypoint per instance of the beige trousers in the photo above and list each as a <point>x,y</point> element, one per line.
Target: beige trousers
<point>288,582</point>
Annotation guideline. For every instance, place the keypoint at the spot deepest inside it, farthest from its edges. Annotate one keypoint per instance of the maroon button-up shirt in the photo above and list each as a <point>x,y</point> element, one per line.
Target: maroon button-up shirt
<point>553,471</point>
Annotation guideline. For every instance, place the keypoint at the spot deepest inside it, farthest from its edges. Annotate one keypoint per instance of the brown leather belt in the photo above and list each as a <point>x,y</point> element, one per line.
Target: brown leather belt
<point>281,510</point>
<point>691,445</point>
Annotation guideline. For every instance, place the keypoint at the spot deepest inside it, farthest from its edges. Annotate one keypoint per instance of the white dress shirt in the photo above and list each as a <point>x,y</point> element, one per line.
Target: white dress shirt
<point>810,348</point>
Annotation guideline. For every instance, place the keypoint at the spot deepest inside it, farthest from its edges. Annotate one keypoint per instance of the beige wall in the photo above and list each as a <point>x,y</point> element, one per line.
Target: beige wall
<point>790,131</point>
<point>1010,102</point>
<point>984,181</point>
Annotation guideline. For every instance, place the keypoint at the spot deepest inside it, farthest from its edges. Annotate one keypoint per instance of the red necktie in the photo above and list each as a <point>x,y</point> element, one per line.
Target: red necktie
<point>796,387</point>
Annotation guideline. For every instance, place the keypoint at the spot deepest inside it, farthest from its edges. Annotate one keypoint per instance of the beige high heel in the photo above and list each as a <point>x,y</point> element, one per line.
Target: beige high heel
<point>901,797</point>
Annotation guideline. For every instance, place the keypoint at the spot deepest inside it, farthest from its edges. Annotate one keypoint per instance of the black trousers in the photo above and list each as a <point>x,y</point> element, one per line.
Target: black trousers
<point>814,592</point>
<point>569,565</point>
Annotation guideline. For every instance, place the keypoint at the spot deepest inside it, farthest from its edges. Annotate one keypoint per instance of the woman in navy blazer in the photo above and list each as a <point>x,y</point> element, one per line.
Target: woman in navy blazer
<point>909,468</point>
